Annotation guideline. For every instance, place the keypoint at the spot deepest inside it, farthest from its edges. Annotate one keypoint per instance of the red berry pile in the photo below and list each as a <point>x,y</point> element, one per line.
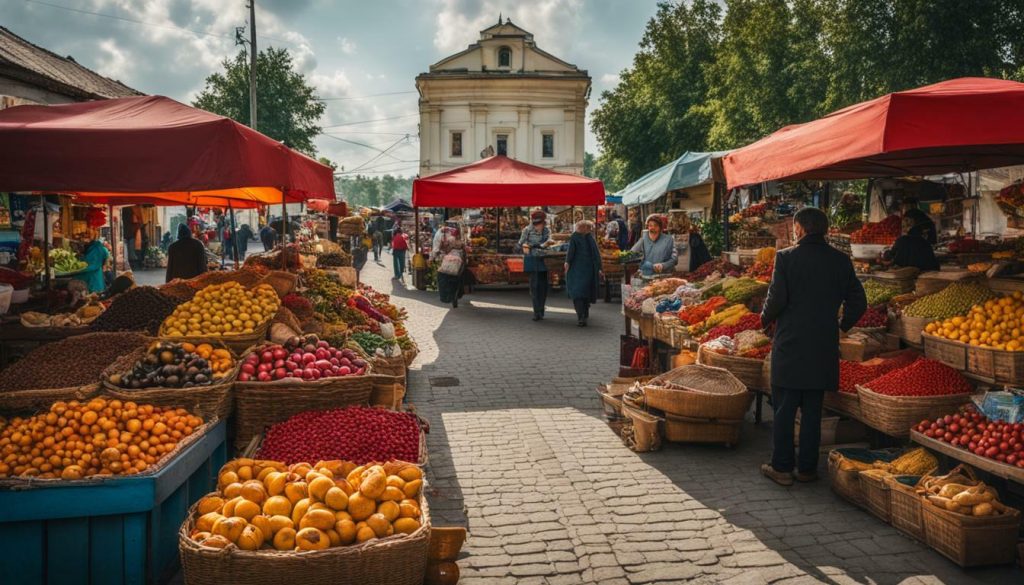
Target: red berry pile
<point>746,322</point>
<point>971,430</point>
<point>356,433</point>
<point>924,377</point>
<point>884,232</point>
<point>874,317</point>
<point>852,374</point>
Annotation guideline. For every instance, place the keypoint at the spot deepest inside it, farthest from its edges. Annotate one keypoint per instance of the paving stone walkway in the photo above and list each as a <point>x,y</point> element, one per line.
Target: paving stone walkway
<point>520,455</point>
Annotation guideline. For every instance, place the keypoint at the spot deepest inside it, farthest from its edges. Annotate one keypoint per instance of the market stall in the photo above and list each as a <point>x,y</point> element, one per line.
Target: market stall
<point>503,184</point>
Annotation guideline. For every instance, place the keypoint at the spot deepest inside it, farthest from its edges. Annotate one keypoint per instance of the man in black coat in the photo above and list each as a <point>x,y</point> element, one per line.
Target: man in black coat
<point>812,280</point>
<point>186,258</point>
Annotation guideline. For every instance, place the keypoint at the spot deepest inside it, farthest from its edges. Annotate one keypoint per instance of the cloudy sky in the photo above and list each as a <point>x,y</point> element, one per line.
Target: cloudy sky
<point>361,55</point>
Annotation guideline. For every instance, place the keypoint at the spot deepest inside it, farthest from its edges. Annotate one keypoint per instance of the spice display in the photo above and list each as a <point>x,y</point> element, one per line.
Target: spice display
<point>996,323</point>
<point>142,308</point>
<point>960,493</point>
<point>923,377</point>
<point>884,232</point>
<point>307,358</point>
<point>356,433</point>
<point>223,310</point>
<point>878,292</point>
<point>745,322</point>
<point>853,374</point>
<point>332,259</point>
<point>874,317</point>
<point>75,361</point>
<point>696,313</point>
<point>304,507</point>
<point>955,299</point>
<point>76,439</point>
<point>176,365</point>
<point>972,430</point>
<point>727,316</point>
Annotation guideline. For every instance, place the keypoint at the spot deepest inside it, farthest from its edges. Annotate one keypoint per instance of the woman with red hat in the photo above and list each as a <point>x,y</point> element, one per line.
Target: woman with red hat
<point>533,240</point>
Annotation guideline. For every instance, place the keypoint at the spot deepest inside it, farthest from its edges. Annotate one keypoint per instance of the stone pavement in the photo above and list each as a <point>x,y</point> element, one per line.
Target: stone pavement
<point>520,455</point>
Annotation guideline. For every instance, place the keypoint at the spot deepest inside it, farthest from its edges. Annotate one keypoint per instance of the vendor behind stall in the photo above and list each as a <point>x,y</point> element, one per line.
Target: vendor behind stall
<point>695,250</point>
<point>922,224</point>
<point>95,257</point>
<point>658,248</point>
<point>912,249</point>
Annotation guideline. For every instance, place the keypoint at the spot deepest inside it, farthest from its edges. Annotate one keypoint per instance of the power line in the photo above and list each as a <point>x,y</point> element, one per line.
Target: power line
<point>370,121</point>
<point>382,153</point>
<point>358,132</point>
<point>370,146</point>
<point>363,97</point>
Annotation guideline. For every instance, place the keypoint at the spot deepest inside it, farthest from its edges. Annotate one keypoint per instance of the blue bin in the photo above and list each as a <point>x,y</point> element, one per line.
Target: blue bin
<point>120,531</point>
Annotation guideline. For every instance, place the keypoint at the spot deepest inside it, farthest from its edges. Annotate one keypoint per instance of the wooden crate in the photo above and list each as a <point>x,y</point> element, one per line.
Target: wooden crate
<point>112,531</point>
<point>996,366</point>
<point>951,353</point>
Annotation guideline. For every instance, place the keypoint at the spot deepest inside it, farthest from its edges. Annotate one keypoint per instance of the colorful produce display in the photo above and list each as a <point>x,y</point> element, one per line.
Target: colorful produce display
<point>730,315</point>
<point>877,316</point>
<point>743,289</point>
<point>356,433</point>
<point>695,314</point>
<point>884,232</point>
<point>64,261</point>
<point>265,505</point>
<point>955,299</point>
<point>76,439</point>
<point>853,374</point>
<point>914,462</point>
<point>996,323</point>
<point>333,259</point>
<point>222,310</point>
<point>177,365</point>
<point>307,358</point>
<point>923,377</point>
<point>370,342</point>
<point>720,266</point>
<point>745,322</point>
<point>142,308</point>
<point>878,292</point>
<point>973,431</point>
<point>75,361</point>
<point>960,493</point>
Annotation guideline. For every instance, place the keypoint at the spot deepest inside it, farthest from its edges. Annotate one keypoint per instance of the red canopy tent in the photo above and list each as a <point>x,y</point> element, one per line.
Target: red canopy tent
<point>499,181</point>
<point>955,126</point>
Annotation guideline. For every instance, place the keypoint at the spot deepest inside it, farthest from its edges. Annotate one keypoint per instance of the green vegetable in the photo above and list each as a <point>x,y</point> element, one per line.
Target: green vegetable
<point>879,292</point>
<point>64,260</point>
<point>370,342</point>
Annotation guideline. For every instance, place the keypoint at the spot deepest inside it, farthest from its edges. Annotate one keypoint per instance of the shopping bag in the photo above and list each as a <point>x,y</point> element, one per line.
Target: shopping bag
<point>451,264</point>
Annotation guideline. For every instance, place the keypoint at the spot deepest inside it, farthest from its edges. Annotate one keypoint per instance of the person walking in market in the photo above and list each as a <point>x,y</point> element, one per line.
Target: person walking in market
<point>811,282</point>
<point>186,258</point>
<point>399,246</point>
<point>583,270</point>
<point>617,230</point>
<point>658,248</point>
<point>448,250</point>
<point>268,236</point>
<point>534,239</point>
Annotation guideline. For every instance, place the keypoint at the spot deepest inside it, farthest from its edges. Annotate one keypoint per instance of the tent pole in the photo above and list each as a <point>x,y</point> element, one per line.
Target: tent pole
<point>416,230</point>
<point>497,235</point>
<point>46,243</point>
<point>284,217</point>
<point>113,241</point>
<point>234,235</point>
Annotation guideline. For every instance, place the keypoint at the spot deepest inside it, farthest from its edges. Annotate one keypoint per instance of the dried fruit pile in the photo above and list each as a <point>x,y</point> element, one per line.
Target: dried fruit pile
<point>76,439</point>
<point>176,365</point>
<point>142,308</point>
<point>75,361</point>
<point>924,377</point>
<point>356,433</point>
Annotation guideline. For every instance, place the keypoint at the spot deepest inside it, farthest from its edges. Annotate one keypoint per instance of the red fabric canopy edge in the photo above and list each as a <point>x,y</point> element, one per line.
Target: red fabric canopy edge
<point>499,181</point>
<point>953,126</point>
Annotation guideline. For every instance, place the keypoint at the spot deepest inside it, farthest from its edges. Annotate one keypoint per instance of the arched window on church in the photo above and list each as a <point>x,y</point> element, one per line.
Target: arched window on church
<point>505,57</point>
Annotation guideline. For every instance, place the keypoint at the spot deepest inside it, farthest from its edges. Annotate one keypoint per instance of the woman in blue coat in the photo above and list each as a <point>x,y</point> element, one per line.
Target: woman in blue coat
<point>583,270</point>
<point>95,257</point>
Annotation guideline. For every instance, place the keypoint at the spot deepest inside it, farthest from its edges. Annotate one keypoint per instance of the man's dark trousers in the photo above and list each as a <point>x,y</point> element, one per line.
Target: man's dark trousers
<point>786,402</point>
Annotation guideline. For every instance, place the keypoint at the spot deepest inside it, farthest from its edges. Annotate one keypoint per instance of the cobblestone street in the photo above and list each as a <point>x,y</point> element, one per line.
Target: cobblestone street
<point>520,455</point>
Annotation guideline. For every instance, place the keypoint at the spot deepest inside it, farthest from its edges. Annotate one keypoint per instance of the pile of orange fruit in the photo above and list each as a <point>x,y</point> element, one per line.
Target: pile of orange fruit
<point>996,323</point>
<point>220,359</point>
<point>77,439</point>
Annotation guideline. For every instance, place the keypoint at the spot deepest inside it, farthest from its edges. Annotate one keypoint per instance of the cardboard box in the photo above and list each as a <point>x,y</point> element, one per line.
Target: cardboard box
<point>857,351</point>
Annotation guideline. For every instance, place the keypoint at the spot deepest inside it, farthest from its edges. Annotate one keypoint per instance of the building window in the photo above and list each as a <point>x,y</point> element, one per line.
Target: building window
<point>504,57</point>
<point>503,144</point>
<point>547,145</point>
<point>456,144</point>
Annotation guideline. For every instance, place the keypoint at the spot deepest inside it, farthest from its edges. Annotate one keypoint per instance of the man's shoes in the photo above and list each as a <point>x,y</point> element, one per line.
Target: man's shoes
<point>807,477</point>
<point>780,477</point>
<point>581,324</point>
<point>537,317</point>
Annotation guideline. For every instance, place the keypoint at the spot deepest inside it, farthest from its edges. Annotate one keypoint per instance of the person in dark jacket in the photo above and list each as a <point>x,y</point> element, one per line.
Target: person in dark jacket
<point>186,258</point>
<point>268,236</point>
<point>923,225</point>
<point>812,280</point>
<point>697,249</point>
<point>583,270</point>
<point>911,249</point>
<point>242,240</point>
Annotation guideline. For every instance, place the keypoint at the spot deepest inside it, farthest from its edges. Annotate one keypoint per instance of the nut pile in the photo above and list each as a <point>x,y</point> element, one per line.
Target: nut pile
<point>142,308</point>
<point>75,361</point>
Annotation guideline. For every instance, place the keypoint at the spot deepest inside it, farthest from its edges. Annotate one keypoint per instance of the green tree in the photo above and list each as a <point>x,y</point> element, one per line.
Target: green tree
<point>373,191</point>
<point>327,162</point>
<point>605,168</point>
<point>287,110</point>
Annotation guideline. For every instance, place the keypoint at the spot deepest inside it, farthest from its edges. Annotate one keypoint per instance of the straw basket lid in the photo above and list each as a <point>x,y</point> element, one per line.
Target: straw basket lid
<point>702,379</point>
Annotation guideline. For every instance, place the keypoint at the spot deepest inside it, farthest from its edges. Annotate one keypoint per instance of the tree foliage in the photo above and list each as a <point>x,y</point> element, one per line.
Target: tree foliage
<point>287,106</point>
<point>707,79</point>
<point>362,190</point>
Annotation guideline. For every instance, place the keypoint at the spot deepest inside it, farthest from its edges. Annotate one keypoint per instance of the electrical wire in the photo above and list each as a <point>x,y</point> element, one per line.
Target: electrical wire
<point>382,153</point>
<point>363,97</point>
<point>370,121</point>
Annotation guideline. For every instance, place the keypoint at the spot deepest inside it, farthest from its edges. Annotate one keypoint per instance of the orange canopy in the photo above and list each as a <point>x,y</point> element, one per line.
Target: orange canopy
<point>241,198</point>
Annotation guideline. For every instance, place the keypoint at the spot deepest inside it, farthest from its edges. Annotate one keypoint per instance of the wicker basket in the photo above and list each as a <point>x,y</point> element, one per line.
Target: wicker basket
<point>236,343</point>
<point>996,366</point>
<point>391,366</point>
<point>905,513</point>
<point>844,483</point>
<point>952,353</point>
<point>409,355</point>
<point>206,401</point>
<point>875,493</point>
<point>750,371</point>
<point>910,328</point>
<point>895,415</point>
<point>698,391</point>
<point>261,404</point>
<point>33,401</point>
<point>969,541</point>
<point>685,429</point>
<point>388,391</point>
<point>641,431</point>
<point>844,402</point>
<point>395,560</point>
<point>281,281</point>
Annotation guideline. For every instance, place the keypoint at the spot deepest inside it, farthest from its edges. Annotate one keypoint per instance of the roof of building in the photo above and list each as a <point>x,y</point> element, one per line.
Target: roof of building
<point>30,63</point>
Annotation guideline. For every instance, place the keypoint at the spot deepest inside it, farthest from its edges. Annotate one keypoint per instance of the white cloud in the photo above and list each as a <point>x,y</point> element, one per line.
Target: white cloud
<point>610,78</point>
<point>554,23</point>
<point>113,62</point>
<point>348,46</point>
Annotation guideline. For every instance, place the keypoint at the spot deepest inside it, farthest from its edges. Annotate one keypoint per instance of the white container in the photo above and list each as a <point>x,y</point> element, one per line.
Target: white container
<point>866,251</point>
<point>6,292</point>
<point>20,296</point>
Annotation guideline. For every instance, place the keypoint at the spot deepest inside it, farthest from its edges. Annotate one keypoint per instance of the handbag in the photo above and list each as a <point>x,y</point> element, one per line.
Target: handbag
<point>451,264</point>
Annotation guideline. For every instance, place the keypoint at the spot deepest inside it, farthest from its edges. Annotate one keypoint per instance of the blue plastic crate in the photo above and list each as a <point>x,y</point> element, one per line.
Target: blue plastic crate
<point>122,531</point>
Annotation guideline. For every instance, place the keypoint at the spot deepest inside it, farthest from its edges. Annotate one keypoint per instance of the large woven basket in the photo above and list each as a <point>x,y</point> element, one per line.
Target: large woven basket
<point>236,343</point>
<point>909,328</point>
<point>750,371</point>
<point>895,415</point>
<point>388,391</point>
<point>972,541</point>
<point>698,391</point>
<point>844,402</point>
<point>685,429</point>
<point>905,513</point>
<point>32,401</point>
<point>844,483</point>
<point>641,431</point>
<point>875,493</point>
<point>395,560</point>
<point>261,404</point>
<point>206,401</point>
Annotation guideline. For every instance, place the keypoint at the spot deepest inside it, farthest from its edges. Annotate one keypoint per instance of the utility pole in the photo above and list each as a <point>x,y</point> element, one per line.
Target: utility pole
<point>252,64</point>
